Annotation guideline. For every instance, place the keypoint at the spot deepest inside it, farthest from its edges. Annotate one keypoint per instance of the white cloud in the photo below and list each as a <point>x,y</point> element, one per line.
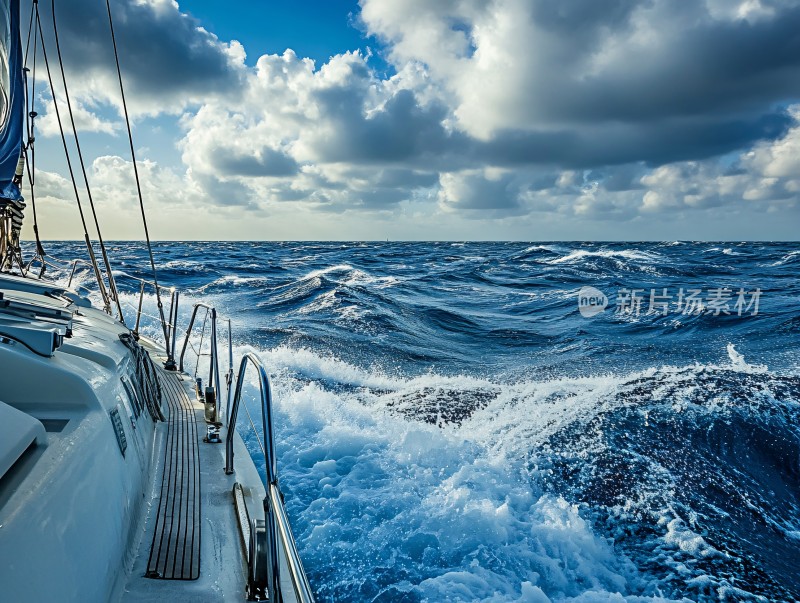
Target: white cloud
<point>169,62</point>
<point>580,111</point>
<point>674,81</point>
<point>336,137</point>
<point>492,190</point>
<point>86,120</point>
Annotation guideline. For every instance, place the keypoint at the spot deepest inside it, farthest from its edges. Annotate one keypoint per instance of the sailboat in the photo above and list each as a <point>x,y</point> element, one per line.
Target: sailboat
<point>122,477</point>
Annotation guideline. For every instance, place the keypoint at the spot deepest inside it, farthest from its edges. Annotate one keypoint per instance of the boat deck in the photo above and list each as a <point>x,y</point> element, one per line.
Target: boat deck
<point>190,537</point>
<point>175,552</point>
<point>191,534</point>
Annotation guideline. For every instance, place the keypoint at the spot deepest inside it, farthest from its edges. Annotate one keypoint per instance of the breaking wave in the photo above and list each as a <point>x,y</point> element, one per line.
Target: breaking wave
<point>457,488</point>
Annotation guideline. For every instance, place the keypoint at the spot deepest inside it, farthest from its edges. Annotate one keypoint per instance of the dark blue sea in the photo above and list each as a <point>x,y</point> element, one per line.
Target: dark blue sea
<point>454,427</point>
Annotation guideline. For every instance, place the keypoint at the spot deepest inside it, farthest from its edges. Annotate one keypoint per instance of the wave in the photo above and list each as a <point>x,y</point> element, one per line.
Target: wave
<point>632,255</point>
<point>452,429</point>
<point>183,267</point>
<point>698,489</point>
<point>789,258</point>
<point>722,250</point>
<point>339,268</point>
<point>331,280</point>
<point>231,280</point>
<point>536,251</point>
<point>457,488</point>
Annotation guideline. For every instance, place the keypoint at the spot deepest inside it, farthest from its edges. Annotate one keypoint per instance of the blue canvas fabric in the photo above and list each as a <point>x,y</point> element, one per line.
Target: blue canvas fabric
<point>11,134</point>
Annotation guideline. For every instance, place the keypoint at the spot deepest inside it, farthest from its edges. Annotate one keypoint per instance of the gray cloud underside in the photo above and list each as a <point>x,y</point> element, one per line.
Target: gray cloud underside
<point>267,163</point>
<point>618,90</point>
<point>165,55</point>
<point>696,67</point>
<point>404,132</point>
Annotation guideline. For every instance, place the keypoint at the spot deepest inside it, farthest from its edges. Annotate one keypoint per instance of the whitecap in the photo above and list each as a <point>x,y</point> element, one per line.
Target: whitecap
<point>437,495</point>
<point>738,362</point>
<point>626,254</point>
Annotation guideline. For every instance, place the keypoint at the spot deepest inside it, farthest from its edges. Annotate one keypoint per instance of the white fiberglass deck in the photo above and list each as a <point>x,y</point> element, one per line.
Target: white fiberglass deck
<point>214,541</point>
<point>94,487</point>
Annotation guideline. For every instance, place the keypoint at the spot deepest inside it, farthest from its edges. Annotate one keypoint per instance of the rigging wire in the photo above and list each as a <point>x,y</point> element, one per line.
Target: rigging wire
<point>138,185</point>
<point>255,431</point>
<point>111,282</point>
<point>202,336</point>
<point>28,149</point>
<point>30,29</point>
<point>98,276</point>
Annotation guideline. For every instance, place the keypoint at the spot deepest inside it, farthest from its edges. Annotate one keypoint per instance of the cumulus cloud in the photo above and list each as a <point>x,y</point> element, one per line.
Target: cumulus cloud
<point>334,136</point>
<point>611,111</point>
<point>168,59</point>
<point>535,64</point>
<point>86,119</point>
<point>480,190</point>
<point>114,187</point>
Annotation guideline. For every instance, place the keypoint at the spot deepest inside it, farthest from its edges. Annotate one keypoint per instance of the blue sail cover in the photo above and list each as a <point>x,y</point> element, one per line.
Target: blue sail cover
<point>12,97</point>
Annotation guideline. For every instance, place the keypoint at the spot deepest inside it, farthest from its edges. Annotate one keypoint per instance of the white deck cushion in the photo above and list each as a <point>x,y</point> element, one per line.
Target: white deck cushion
<point>17,431</point>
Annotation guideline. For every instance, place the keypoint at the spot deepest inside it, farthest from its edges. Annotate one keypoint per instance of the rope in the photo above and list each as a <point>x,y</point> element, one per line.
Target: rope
<point>196,351</point>
<point>134,307</point>
<point>98,276</point>
<point>30,167</point>
<point>12,210</point>
<point>109,274</point>
<point>136,175</point>
<point>30,29</point>
<point>146,379</point>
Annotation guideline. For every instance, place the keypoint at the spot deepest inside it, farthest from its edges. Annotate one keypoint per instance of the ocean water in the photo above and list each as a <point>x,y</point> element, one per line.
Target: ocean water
<point>452,427</point>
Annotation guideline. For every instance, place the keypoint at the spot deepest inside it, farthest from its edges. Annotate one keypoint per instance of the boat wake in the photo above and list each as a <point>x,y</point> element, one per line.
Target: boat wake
<point>673,482</point>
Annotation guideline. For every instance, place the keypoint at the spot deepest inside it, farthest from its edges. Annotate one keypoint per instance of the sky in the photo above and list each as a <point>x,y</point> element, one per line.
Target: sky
<point>418,120</point>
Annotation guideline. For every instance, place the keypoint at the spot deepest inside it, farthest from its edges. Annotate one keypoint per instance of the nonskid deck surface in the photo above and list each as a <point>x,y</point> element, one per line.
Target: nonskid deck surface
<point>175,550</point>
<point>218,561</point>
<point>223,573</point>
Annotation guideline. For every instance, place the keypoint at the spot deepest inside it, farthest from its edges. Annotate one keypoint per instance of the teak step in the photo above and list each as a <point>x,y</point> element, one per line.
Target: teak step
<point>175,552</point>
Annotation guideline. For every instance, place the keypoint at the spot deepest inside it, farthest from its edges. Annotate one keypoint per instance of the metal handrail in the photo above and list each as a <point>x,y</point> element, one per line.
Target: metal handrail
<point>171,330</point>
<point>197,306</point>
<point>75,263</point>
<point>302,588</point>
<point>266,418</point>
<point>213,376</point>
<point>277,523</point>
<point>229,375</point>
<point>170,325</point>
